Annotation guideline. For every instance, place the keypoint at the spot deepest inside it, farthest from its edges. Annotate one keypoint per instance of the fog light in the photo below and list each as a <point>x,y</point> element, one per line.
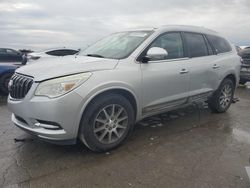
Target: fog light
<point>48,125</point>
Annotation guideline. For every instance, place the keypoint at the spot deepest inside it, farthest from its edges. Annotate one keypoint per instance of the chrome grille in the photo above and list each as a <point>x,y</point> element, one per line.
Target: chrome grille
<point>19,86</point>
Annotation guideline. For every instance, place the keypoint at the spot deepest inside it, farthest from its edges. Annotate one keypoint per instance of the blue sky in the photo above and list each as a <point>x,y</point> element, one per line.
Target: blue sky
<point>39,24</point>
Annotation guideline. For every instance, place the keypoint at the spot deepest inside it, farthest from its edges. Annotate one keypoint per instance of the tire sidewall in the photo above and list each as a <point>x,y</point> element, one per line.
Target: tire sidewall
<point>86,131</point>
<point>218,94</point>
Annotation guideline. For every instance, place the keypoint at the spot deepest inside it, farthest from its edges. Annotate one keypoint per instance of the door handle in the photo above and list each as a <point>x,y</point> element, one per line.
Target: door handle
<point>184,71</point>
<point>216,66</point>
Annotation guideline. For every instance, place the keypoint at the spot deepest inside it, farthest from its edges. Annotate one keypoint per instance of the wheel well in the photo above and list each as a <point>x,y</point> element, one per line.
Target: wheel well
<point>122,92</point>
<point>231,77</point>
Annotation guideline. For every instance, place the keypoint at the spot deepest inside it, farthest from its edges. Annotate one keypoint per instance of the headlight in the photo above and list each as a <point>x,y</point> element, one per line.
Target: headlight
<point>60,86</point>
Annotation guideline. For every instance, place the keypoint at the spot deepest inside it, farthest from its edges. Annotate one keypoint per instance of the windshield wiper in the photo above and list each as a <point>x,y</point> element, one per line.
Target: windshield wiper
<point>95,55</point>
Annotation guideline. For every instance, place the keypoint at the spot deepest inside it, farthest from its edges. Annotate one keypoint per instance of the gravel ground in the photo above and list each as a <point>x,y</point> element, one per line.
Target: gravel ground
<point>190,148</point>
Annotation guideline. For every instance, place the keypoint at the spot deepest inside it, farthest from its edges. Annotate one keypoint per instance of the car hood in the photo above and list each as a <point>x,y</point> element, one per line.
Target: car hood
<point>56,67</point>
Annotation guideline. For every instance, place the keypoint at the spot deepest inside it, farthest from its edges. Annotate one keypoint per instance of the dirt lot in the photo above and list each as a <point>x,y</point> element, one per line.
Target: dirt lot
<point>189,148</point>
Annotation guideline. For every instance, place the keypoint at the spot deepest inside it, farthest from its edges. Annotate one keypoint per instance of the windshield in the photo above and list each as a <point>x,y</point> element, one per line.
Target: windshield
<point>116,46</point>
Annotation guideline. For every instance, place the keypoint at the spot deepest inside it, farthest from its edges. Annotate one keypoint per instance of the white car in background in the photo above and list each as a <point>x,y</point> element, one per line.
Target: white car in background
<point>58,52</point>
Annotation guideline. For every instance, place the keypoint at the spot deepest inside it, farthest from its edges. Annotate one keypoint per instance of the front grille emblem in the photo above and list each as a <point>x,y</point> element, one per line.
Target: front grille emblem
<point>10,84</point>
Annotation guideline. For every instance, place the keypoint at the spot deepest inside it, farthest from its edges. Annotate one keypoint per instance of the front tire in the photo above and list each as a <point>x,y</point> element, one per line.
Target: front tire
<point>222,98</point>
<point>107,122</point>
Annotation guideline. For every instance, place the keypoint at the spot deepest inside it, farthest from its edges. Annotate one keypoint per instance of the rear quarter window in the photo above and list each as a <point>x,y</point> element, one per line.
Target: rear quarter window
<point>220,44</point>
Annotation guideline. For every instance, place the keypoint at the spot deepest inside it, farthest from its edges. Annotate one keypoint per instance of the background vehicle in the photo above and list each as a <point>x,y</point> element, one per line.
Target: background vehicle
<point>6,71</point>
<point>51,52</point>
<point>10,60</point>
<point>245,67</point>
<point>121,79</point>
<point>10,55</point>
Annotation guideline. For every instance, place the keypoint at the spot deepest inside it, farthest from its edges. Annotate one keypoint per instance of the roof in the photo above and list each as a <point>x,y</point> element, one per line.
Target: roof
<point>187,28</point>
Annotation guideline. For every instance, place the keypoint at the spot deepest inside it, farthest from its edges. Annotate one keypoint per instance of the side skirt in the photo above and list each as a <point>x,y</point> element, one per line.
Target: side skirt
<point>173,105</point>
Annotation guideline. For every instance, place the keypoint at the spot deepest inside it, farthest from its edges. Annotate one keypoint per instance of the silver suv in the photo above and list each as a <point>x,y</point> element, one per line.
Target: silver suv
<point>98,95</point>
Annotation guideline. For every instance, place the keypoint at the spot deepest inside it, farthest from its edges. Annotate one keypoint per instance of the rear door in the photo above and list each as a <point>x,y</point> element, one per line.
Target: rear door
<point>203,75</point>
<point>225,59</point>
<point>165,81</point>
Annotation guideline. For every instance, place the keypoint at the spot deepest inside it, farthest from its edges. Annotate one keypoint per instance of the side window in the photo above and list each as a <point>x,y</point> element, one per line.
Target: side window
<point>67,52</point>
<point>209,47</point>
<point>219,43</point>
<point>71,52</point>
<point>61,52</point>
<point>9,51</point>
<point>196,45</point>
<point>2,51</point>
<point>54,53</point>
<point>171,42</point>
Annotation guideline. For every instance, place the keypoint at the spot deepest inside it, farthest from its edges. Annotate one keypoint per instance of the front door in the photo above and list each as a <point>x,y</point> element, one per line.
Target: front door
<point>165,81</point>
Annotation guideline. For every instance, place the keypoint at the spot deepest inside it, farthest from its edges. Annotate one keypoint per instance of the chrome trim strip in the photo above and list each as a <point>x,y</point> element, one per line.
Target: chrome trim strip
<point>164,106</point>
<point>169,60</point>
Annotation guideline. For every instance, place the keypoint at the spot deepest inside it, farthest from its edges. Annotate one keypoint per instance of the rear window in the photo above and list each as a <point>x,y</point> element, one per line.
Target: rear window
<point>196,45</point>
<point>59,52</point>
<point>220,44</point>
<point>54,52</point>
<point>70,52</point>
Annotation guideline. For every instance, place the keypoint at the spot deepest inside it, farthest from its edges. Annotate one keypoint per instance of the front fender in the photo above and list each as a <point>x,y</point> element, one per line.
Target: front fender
<point>108,87</point>
<point>87,98</point>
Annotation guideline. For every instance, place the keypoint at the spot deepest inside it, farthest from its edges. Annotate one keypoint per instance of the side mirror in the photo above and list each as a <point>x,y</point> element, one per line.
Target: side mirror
<point>156,53</point>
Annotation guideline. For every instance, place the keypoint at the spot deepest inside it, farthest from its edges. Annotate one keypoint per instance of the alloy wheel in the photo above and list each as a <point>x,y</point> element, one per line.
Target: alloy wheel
<point>110,123</point>
<point>226,96</point>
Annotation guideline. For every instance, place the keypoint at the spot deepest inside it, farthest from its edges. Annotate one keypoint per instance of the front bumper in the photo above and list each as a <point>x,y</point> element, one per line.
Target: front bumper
<point>55,120</point>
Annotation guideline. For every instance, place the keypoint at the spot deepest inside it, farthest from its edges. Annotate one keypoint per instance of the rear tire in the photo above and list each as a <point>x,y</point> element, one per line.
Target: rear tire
<point>222,98</point>
<point>4,81</point>
<point>107,122</point>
